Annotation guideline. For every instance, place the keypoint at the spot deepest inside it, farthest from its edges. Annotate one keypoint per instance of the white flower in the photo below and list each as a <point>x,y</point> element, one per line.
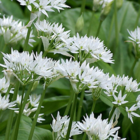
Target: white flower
<point>69,69</point>
<point>27,3</point>
<point>131,113</point>
<point>5,103</point>
<point>40,119</point>
<point>116,137</point>
<point>58,122</point>
<point>18,100</point>
<point>44,6</point>
<point>111,92</point>
<point>34,100</point>
<point>135,35</point>
<point>59,4</point>
<point>27,110</point>
<point>98,128</point>
<point>14,31</point>
<point>90,46</point>
<point>120,99</point>
<point>4,85</point>
<point>43,66</point>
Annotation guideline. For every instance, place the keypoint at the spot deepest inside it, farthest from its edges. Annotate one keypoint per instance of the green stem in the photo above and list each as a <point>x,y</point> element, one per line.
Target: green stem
<point>9,88</point>
<point>69,104</point>
<point>111,26</point>
<point>27,96</point>
<point>84,137</point>
<point>71,116</point>
<point>36,115</point>
<point>90,24</point>
<point>3,50</point>
<point>112,111</point>
<point>93,106</point>
<point>80,105</point>
<point>10,120</point>
<point>84,58</point>
<point>132,68</point>
<point>99,27</point>
<point>39,46</point>
<point>83,6</point>
<point>16,127</point>
<point>116,24</point>
<point>136,23</point>
<point>27,39</point>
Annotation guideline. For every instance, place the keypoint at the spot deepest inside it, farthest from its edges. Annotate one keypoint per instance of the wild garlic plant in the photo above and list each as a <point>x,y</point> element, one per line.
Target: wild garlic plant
<point>28,75</point>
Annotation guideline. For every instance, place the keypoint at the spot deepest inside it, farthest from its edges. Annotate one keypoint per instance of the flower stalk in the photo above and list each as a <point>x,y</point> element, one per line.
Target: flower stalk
<point>116,24</point>
<point>90,24</point>
<point>83,6</point>
<point>93,106</point>
<point>112,111</point>
<point>27,38</point>
<point>71,116</point>
<point>10,120</point>
<point>80,105</point>
<point>16,127</point>
<point>37,113</point>
<point>99,28</point>
<point>69,104</point>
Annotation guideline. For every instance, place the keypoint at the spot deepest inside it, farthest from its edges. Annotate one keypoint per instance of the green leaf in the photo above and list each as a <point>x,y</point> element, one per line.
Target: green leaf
<point>39,133</point>
<point>107,100</point>
<point>24,130</point>
<point>54,103</point>
<point>137,71</point>
<point>126,124</point>
<point>12,8</point>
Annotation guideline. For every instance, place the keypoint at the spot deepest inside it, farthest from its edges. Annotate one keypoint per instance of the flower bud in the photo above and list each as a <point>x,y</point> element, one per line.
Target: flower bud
<point>79,24</point>
<point>96,93</point>
<point>97,4</point>
<point>119,3</point>
<point>106,9</point>
<point>35,85</point>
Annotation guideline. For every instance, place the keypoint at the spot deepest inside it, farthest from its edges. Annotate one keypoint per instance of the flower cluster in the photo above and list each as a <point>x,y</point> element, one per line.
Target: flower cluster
<point>56,40</point>
<point>4,85</point>
<point>128,85</point>
<point>28,67</point>
<point>54,36</point>
<point>43,6</point>
<point>135,36</point>
<point>14,31</point>
<point>94,128</point>
<point>31,106</point>
<point>60,127</point>
<point>90,48</point>
<point>82,77</point>
<point>5,103</point>
<point>97,128</point>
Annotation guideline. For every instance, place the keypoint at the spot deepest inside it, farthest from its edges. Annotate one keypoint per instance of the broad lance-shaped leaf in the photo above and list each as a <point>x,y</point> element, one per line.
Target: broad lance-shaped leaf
<point>54,103</point>
<point>7,6</point>
<point>24,130</point>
